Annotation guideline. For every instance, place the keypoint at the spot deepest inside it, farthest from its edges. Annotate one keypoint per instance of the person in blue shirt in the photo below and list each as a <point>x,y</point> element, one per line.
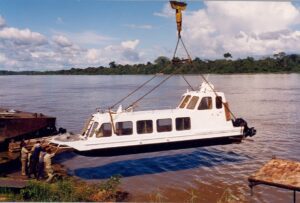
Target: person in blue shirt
<point>34,159</point>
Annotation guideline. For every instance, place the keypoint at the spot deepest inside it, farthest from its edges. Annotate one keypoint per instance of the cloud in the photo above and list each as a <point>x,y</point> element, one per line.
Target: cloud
<point>86,38</point>
<point>134,26</point>
<point>21,37</point>
<point>130,44</point>
<point>62,41</point>
<point>23,49</point>
<point>252,16</point>
<point>166,12</point>
<point>2,22</point>
<point>131,56</point>
<point>2,58</point>
<point>242,28</point>
<point>123,53</point>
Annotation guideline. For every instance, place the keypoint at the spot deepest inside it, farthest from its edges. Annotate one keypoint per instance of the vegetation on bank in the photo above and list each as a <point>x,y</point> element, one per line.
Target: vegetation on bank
<point>278,63</point>
<point>67,190</point>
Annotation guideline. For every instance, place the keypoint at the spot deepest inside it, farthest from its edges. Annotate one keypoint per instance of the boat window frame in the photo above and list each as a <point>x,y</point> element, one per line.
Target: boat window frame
<point>192,105</point>
<point>121,134</point>
<point>185,101</point>
<point>158,127</point>
<point>144,127</point>
<point>184,128</point>
<point>181,99</point>
<point>93,129</point>
<point>218,102</point>
<point>103,134</point>
<point>209,106</point>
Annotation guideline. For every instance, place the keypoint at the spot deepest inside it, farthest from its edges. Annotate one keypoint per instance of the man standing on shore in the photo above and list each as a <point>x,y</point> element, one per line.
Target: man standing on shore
<point>34,159</point>
<point>41,165</point>
<point>48,163</point>
<point>24,159</point>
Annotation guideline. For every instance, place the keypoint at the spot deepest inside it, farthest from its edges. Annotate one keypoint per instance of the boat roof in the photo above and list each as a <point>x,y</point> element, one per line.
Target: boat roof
<point>199,93</point>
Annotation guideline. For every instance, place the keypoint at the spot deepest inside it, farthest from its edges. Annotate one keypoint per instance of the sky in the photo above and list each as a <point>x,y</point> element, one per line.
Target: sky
<point>62,34</point>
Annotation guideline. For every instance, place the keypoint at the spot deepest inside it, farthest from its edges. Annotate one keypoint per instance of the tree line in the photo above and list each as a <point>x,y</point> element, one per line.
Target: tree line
<point>278,63</point>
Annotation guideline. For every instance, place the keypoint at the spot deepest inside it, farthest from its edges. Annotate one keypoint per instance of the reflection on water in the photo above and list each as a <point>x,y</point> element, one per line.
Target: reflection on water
<point>269,102</point>
<point>159,164</point>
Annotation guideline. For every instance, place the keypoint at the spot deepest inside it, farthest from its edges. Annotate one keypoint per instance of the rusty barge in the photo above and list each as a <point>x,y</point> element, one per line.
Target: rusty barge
<point>19,125</point>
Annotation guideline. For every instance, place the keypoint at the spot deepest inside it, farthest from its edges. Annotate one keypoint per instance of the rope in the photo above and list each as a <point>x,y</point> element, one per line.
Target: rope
<point>179,39</point>
<point>190,61</point>
<point>133,92</point>
<point>175,51</point>
<point>164,80</point>
<point>187,82</point>
<point>185,49</point>
<point>139,99</point>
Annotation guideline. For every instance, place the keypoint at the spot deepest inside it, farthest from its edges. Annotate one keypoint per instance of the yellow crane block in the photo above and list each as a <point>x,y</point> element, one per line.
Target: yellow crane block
<point>178,6</point>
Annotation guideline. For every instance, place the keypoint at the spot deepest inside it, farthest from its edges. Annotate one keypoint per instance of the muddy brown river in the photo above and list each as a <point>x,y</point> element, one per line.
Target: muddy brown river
<point>270,102</point>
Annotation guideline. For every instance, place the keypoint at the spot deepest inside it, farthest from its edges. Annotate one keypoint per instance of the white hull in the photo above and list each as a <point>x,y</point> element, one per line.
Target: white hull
<point>105,143</point>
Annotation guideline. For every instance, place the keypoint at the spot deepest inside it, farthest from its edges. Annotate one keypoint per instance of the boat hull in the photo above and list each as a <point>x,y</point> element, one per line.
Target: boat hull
<point>136,149</point>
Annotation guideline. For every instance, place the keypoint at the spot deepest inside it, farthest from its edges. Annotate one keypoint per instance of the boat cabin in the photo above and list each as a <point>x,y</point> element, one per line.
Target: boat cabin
<point>196,108</point>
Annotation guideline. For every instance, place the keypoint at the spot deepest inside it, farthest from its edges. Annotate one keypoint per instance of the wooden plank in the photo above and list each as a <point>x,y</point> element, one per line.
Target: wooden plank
<point>13,183</point>
<point>279,173</point>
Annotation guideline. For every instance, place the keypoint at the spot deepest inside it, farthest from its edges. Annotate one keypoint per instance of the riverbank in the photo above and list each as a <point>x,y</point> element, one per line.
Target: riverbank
<point>66,189</point>
<point>63,187</point>
<point>279,63</point>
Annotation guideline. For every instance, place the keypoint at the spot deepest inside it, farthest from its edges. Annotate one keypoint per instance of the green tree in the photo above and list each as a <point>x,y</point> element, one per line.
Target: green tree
<point>112,64</point>
<point>227,55</point>
<point>162,61</point>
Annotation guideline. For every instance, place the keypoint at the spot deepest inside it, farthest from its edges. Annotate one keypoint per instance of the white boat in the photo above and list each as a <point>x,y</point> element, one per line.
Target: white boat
<point>202,118</point>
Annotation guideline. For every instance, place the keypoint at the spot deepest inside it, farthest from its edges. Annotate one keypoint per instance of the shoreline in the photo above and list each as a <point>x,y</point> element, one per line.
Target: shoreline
<point>188,74</point>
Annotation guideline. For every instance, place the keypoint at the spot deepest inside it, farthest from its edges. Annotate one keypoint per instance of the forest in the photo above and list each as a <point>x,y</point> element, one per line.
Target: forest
<point>277,63</point>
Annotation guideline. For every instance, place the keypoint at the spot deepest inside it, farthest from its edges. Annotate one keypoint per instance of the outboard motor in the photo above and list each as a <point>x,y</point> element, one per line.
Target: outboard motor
<point>248,132</point>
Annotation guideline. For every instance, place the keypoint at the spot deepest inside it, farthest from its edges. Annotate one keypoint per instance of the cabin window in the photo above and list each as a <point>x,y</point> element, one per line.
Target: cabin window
<point>185,101</point>
<point>93,128</point>
<point>219,102</point>
<point>193,102</point>
<point>164,125</point>
<point>104,131</point>
<point>145,126</point>
<point>124,128</point>
<point>206,103</point>
<point>183,123</point>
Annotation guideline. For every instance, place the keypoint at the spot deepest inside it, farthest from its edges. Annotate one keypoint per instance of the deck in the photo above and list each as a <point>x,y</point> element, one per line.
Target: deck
<point>278,173</point>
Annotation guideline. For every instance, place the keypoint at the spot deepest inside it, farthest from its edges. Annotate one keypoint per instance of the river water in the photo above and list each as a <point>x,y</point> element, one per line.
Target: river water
<point>270,102</point>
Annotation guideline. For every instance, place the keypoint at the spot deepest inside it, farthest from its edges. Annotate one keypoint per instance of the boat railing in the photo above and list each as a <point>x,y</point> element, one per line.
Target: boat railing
<point>147,108</point>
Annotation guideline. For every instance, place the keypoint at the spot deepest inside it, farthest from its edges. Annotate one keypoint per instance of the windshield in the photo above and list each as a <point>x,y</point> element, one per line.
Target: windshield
<point>92,129</point>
